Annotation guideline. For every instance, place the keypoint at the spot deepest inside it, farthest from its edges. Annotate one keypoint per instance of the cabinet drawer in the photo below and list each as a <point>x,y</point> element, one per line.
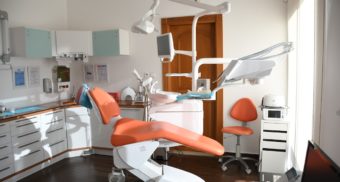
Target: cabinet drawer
<point>275,126</point>
<point>5,138</point>
<point>274,145</point>
<point>274,136</point>
<point>5,149</point>
<point>56,135</point>
<point>23,139</point>
<point>25,126</point>
<point>53,125</point>
<point>273,162</point>
<point>52,116</point>
<point>26,149</point>
<point>6,171</point>
<point>29,159</point>
<point>4,128</point>
<point>76,111</point>
<point>55,148</point>
<point>6,160</point>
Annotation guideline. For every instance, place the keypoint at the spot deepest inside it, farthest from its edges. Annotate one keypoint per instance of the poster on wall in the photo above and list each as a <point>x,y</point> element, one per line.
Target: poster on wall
<point>89,72</point>
<point>102,75</point>
<point>19,77</point>
<point>33,76</point>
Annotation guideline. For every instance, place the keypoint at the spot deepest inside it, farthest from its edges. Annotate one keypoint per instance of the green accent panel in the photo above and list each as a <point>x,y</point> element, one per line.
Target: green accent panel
<point>105,43</point>
<point>38,43</point>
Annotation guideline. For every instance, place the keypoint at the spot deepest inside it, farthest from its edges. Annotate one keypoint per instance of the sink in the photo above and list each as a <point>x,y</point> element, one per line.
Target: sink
<point>163,97</point>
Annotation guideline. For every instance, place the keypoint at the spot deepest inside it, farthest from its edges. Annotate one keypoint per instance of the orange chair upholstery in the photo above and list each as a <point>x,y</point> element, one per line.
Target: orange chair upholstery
<point>244,111</point>
<point>128,131</point>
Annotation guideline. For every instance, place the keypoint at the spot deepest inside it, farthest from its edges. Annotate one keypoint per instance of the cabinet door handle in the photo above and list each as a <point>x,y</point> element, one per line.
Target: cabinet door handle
<point>3,136</point>
<point>274,131</point>
<point>27,134</point>
<point>28,144</point>
<point>273,140</point>
<point>2,170</point>
<point>57,143</point>
<point>18,121</point>
<point>26,124</point>
<point>32,153</point>
<point>4,158</point>
<point>274,150</point>
<point>1,125</point>
<point>54,130</point>
<point>56,121</point>
<point>3,147</point>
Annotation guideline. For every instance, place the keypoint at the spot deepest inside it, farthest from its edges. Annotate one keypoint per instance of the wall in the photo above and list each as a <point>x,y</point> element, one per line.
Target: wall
<point>250,27</point>
<point>43,14</point>
<point>330,107</point>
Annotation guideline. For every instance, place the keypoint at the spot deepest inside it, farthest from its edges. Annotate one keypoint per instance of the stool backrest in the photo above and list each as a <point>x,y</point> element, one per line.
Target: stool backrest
<point>244,110</point>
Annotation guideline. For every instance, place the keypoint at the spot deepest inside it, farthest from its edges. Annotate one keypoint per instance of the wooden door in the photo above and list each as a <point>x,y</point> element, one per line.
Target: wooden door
<point>209,44</point>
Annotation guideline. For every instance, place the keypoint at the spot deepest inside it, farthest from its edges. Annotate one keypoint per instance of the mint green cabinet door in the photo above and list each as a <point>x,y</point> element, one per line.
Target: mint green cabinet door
<point>38,43</point>
<point>106,43</point>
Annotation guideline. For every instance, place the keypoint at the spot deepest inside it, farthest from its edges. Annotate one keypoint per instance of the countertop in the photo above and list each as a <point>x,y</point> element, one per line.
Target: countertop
<point>53,106</point>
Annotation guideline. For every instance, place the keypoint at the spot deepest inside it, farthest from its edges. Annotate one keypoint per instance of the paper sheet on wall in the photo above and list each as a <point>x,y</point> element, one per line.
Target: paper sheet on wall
<point>102,75</point>
<point>34,76</point>
<point>19,77</point>
<point>89,72</point>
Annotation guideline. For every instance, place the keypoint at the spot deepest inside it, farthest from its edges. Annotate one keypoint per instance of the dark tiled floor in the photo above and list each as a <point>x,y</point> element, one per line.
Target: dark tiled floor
<point>97,167</point>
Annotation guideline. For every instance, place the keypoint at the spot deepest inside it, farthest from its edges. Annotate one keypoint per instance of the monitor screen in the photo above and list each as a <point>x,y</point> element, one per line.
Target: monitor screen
<point>319,167</point>
<point>165,46</point>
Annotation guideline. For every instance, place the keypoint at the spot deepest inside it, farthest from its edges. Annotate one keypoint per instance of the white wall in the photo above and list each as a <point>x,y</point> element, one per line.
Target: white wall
<point>251,26</point>
<point>330,107</point>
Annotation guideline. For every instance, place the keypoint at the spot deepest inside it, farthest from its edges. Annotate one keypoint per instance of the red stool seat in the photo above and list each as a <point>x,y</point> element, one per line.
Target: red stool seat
<point>238,130</point>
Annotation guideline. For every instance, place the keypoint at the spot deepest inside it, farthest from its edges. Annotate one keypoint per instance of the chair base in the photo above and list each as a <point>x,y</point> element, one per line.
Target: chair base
<point>239,159</point>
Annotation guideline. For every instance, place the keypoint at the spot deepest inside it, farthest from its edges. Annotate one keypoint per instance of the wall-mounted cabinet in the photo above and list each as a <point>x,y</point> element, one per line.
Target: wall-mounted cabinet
<point>111,42</point>
<point>73,42</point>
<point>31,43</point>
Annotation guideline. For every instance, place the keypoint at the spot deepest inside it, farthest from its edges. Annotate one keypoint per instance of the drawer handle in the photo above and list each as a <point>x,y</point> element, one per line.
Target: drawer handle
<point>32,153</point>
<point>2,170</point>
<point>25,119</point>
<point>3,147</point>
<point>274,131</point>
<point>53,113</point>
<point>56,121</point>
<point>28,144</point>
<point>54,130</point>
<point>57,143</point>
<point>274,150</point>
<point>3,136</point>
<point>272,140</point>
<point>26,124</point>
<point>27,134</point>
<point>1,125</point>
<point>4,158</point>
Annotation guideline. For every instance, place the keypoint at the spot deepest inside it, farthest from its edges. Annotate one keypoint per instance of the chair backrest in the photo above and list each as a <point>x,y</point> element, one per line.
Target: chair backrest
<point>105,104</point>
<point>244,110</point>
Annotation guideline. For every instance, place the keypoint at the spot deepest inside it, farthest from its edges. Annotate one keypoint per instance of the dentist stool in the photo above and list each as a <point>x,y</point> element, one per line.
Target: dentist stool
<point>244,111</point>
<point>134,141</point>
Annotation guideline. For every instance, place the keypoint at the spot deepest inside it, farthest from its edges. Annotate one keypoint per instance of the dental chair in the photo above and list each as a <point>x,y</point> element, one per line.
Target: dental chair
<point>134,141</point>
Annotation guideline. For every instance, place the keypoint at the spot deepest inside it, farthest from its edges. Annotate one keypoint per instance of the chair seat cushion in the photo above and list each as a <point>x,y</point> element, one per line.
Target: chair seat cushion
<point>128,131</point>
<point>238,130</point>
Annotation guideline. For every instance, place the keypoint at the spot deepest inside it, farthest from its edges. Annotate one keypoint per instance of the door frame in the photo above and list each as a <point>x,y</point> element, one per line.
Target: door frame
<point>218,22</point>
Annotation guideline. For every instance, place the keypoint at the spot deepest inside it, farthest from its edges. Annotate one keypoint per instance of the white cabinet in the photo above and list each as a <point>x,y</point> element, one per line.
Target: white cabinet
<point>274,146</point>
<point>53,130</point>
<point>78,126</point>
<point>26,142</point>
<point>73,42</point>
<point>6,154</point>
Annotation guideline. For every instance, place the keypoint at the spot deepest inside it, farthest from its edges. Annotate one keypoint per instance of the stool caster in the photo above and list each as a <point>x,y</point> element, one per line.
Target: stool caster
<point>224,168</point>
<point>248,171</point>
